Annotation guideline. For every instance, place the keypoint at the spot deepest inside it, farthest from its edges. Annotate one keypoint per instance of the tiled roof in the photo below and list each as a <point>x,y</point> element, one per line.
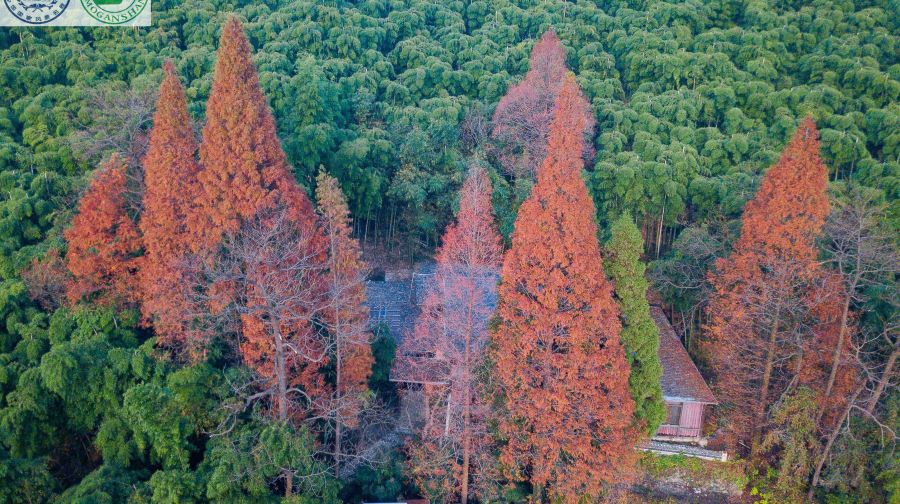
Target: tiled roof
<point>392,303</point>
<point>681,380</point>
<point>396,303</point>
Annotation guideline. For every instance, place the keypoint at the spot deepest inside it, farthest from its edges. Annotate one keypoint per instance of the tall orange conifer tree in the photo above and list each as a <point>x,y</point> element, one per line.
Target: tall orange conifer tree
<point>104,242</point>
<point>244,170</point>
<point>452,458</point>
<point>346,315</point>
<point>258,231</point>
<point>760,303</point>
<point>170,176</point>
<point>247,187</point>
<point>558,361</point>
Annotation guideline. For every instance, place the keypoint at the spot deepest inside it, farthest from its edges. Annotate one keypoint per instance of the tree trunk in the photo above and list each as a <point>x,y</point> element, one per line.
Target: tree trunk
<point>760,415</point>
<point>883,380</point>
<point>428,410</point>
<point>838,349</point>
<point>662,217</point>
<point>281,393</point>
<point>836,355</point>
<point>366,232</point>
<point>467,403</point>
<point>338,329</point>
<point>447,414</point>
<point>281,377</point>
<point>338,426</point>
<point>828,444</point>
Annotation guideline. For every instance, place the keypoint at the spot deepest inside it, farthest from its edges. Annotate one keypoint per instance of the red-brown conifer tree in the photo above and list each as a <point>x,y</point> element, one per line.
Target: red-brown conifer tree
<point>244,169</point>
<point>761,300</point>
<point>523,116</point>
<point>104,242</point>
<point>558,362</point>
<point>345,315</point>
<point>256,235</point>
<point>454,454</point>
<point>170,177</point>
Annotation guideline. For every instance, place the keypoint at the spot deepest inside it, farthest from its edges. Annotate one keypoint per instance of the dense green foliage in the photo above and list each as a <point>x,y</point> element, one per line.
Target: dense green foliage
<point>622,263</point>
<point>692,101</point>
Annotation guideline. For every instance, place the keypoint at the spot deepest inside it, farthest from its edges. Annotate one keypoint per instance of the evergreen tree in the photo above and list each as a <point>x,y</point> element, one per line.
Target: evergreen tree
<point>170,177</point>
<point>622,262</point>
<point>558,360</point>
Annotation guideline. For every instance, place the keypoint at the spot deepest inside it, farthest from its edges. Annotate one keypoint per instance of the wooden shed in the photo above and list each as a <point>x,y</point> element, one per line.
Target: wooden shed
<point>685,391</point>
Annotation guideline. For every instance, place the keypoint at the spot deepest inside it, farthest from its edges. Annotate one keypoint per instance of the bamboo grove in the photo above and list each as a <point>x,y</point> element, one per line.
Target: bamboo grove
<point>188,241</point>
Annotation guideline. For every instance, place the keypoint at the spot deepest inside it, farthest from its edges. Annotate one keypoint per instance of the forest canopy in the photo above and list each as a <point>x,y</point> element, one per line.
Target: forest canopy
<point>691,102</point>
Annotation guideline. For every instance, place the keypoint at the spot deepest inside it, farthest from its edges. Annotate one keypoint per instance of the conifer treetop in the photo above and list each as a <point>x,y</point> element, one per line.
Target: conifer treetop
<point>245,171</point>
<point>557,354</point>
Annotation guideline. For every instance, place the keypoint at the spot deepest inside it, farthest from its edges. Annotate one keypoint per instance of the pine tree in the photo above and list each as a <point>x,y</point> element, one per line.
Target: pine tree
<point>760,303</point>
<point>244,169</point>
<point>622,262</point>
<point>104,242</point>
<point>453,324</point>
<point>170,176</point>
<point>346,315</point>
<point>523,116</point>
<point>558,361</point>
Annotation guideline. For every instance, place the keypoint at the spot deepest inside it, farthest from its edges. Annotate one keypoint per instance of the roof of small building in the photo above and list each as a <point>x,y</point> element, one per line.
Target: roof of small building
<point>681,380</point>
<point>395,302</point>
<point>420,365</point>
<point>392,303</point>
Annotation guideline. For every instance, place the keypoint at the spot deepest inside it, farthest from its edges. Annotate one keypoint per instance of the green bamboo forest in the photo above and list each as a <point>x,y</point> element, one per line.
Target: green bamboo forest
<point>453,251</point>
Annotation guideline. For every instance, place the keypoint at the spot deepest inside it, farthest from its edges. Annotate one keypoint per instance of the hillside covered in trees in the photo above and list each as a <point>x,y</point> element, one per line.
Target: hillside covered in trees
<point>191,213</point>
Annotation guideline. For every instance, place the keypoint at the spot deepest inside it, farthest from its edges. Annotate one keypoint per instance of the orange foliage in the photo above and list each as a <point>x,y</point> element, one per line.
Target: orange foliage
<point>244,170</point>
<point>762,290</point>
<point>170,175</point>
<point>788,211</point>
<point>104,243</point>
<point>277,293</point>
<point>454,451</point>
<point>472,240</point>
<point>557,358</point>
<point>346,315</point>
<point>248,194</point>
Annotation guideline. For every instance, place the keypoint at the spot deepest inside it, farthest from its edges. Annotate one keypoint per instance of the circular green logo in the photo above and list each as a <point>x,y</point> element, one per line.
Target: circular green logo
<point>114,11</point>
